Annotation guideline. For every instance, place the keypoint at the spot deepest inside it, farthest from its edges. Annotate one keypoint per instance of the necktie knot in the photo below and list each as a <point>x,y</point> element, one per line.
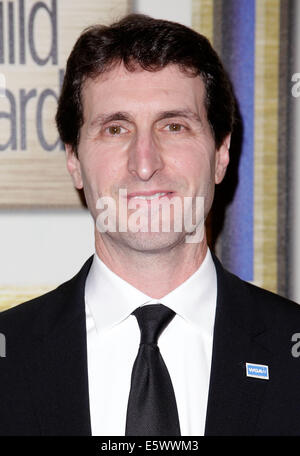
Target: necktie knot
<point>152,320</point>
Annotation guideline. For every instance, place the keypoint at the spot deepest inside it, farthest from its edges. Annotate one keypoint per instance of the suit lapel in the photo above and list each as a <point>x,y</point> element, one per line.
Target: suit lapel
<point>234,399</point>
<point>57,364</point>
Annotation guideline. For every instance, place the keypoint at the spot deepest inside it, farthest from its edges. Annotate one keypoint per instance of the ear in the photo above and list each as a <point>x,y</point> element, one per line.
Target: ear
<point>222,160</point>
<point>73,166</point>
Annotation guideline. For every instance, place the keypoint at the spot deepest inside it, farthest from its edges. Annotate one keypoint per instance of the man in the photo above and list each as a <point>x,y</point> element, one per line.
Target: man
<point>146,113</point>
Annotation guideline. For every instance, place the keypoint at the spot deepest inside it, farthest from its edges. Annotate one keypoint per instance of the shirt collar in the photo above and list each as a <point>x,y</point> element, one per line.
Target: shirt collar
<point>111,299</point>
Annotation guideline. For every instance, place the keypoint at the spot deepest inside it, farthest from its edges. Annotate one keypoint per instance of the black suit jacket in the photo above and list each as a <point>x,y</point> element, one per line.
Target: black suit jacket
<point>44,379</point>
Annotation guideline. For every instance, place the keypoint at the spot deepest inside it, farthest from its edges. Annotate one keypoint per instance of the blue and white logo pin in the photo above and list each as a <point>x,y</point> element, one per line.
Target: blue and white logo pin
<point>257,371</point>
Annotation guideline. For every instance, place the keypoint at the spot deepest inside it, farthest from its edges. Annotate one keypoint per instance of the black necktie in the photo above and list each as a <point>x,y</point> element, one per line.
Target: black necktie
<point>152,408</point>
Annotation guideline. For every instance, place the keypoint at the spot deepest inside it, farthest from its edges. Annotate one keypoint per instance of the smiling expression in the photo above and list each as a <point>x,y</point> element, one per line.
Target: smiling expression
<point>148,133</point>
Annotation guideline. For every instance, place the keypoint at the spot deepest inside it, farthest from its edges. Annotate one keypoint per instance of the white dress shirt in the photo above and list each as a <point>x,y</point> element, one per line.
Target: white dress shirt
<point>113,338</point>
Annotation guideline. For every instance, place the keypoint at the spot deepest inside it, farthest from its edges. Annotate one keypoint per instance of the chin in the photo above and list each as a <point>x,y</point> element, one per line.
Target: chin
<point>150,242</point>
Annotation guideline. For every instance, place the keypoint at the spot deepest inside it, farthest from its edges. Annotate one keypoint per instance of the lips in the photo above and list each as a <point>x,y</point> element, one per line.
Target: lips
<point>149,195</point>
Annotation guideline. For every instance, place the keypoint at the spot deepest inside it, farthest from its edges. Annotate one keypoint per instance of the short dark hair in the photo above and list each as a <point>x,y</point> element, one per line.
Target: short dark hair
<point>152,44</point>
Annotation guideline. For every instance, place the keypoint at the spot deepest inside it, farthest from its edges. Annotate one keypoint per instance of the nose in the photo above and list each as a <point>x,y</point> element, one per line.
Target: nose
<point>145,157</point>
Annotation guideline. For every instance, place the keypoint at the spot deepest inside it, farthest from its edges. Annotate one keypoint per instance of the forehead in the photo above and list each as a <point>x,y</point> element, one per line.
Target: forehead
<point>168,88</point>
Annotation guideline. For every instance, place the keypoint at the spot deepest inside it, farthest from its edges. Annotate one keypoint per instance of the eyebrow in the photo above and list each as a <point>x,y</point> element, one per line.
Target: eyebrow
<point>122,115</point>
<point>179,113</point>
<point>105,118</point>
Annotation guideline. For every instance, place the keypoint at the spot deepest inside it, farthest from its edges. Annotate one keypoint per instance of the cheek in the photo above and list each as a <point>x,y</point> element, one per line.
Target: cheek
<point>198,169</point>
<point>100,177</point>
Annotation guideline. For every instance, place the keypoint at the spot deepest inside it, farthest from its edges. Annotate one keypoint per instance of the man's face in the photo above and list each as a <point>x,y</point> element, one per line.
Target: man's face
<point>148,133</point>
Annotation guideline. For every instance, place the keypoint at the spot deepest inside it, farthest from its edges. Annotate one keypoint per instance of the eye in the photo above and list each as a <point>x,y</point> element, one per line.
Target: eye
<point>115,130</point>
<point>175,127</point>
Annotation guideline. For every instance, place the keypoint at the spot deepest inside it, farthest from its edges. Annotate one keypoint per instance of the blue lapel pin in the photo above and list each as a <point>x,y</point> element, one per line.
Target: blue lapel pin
<point>257,371</point>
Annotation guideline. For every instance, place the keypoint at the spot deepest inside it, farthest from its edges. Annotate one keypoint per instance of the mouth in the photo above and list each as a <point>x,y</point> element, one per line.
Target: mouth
<point>150,195</point>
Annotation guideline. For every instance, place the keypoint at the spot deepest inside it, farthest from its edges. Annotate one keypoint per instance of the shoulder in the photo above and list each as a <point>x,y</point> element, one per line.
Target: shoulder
<point>271,302</point>
<point>22,318</point>
<point>19,322</point>
<point>253,302</point>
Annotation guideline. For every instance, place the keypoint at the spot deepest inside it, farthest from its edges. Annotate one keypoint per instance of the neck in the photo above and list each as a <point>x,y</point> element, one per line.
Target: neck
<point>154,273</point>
